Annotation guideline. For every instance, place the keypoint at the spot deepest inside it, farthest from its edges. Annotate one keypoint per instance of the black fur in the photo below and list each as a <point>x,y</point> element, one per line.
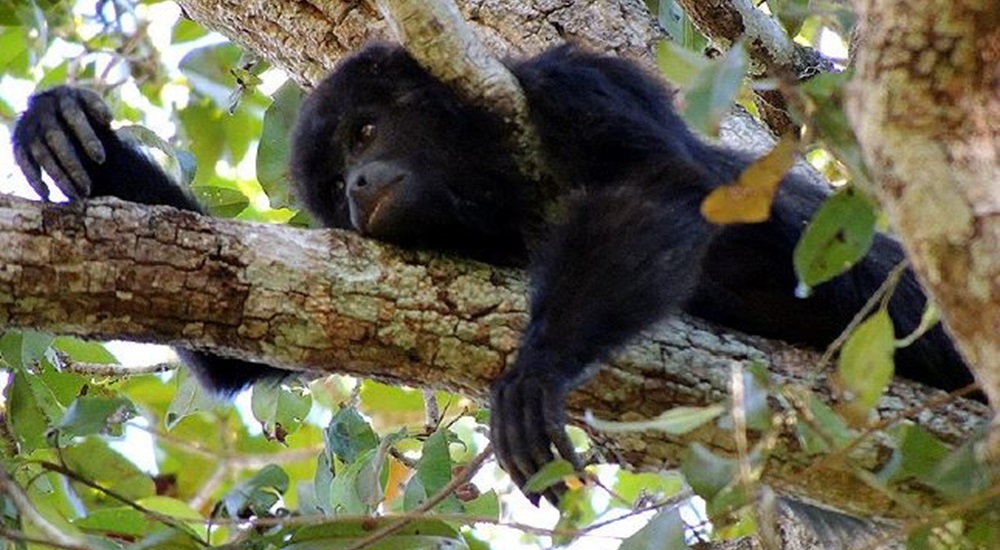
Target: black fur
<point>384,148</point>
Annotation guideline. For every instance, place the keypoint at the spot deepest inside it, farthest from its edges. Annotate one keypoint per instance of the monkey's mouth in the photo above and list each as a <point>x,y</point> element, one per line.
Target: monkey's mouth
<point>366,214</point>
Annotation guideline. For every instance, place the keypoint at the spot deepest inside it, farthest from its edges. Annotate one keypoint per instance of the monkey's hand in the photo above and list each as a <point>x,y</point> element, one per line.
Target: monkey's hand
<point>58,134</point>
<point>528,420</point>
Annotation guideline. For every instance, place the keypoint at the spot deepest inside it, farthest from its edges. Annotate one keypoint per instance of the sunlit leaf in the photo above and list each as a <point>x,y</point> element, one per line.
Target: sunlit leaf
<point>84,351</point>
<point>31,409</point>
<point>631,485</point>
<point>94,460</point>
<point>89,415</point>
<point>865,366</point>
<point>680,65</point>
<point>281,405</point>
<point>676,421</point>
<point>121,521</point>
<point>208,71</point>
<point>748,199</point>
<point>220,201</point>
<point>550,474</point>
<point>713,91</point>
<point>186,30</point>
<point>664,532</point>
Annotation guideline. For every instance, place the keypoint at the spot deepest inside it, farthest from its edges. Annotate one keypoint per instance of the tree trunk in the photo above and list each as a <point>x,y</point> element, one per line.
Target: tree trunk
<point>926,107</point>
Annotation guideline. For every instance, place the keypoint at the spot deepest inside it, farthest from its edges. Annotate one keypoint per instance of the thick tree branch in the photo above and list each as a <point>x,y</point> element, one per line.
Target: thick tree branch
<point>926,107</point>
<point>330,301</point>
<point>307,37</point>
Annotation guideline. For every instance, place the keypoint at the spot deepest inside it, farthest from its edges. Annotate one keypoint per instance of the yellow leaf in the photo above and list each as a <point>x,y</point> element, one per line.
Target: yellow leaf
<point>748,199</point>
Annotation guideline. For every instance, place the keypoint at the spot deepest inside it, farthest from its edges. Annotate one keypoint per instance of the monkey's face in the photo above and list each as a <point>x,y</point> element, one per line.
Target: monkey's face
<point>383,148</point>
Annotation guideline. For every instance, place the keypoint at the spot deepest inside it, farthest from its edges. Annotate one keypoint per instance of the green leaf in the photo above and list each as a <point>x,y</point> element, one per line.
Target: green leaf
<point>791,13</point>
<point>186,30</point>
<point>865,365</point>
<point>838,236</point>
<point>275,144</point>
<point>31,408</point>
<point>917,454</point>
<point>705,472</point>
<point>486,505</point>
<point>832,426</point>
<point>961,474</point>
<point>119,522</point>
<point>84,351</point>
<point>93,459</point>
<point>676,421</point>
<point>713,91</point>
<point>349,435</point>
<point>16,59</point>
<point>280,405</point>
<point>89,415</point>
<point>422,534</point>
<point>357,489</point>
<point>208,70</point>
<point>221,201</point>
<point>630,486</point>
<point>22,349</point>
<point>434,467</point>
<point>190,398</point>
<point>826,91</point>
<point>550,474</point>
<point>256,496</point>
<point>680,65</point>
<point>434,470</point>
<point>664,532</point>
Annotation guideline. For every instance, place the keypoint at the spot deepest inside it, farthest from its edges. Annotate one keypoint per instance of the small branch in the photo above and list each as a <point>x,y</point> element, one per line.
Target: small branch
<point>54,535</point>
<point>772,51</point>
<point>112,370</point>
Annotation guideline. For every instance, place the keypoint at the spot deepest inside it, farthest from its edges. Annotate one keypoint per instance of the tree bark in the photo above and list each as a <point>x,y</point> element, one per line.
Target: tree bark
<point>925,103</point>
<point>305,38</point>
<point>331,301</point>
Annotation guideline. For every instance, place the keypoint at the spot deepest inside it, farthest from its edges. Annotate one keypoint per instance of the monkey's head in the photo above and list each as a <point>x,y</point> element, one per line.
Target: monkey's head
<point>384,148</point>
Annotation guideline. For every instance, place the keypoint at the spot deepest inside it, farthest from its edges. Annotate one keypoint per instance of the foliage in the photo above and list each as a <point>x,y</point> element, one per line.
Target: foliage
<point>111,460</point>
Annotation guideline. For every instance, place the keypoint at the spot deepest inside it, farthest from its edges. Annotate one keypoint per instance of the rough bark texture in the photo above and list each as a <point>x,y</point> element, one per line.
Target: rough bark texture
<point>331,301</point>
<point>926,107</point>
<point>306,37</point>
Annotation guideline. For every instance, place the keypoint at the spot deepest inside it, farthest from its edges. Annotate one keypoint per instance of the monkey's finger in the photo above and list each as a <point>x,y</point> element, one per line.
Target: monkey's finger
<point>95,106</point>
<point>77,121</point>
<point>498,433</point>
<point>555,426</point>
<point>32,172</point>
<point>65,153</point>
<point>521,465</point>
<point>42,155</point>
<point>536,443</point>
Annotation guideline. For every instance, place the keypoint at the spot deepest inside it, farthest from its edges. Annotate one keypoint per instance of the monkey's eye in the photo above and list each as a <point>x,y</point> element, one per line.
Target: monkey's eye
<point>364,137</point>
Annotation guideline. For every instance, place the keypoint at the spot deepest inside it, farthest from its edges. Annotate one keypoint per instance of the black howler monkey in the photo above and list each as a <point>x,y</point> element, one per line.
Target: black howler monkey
<point>384,148</point>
